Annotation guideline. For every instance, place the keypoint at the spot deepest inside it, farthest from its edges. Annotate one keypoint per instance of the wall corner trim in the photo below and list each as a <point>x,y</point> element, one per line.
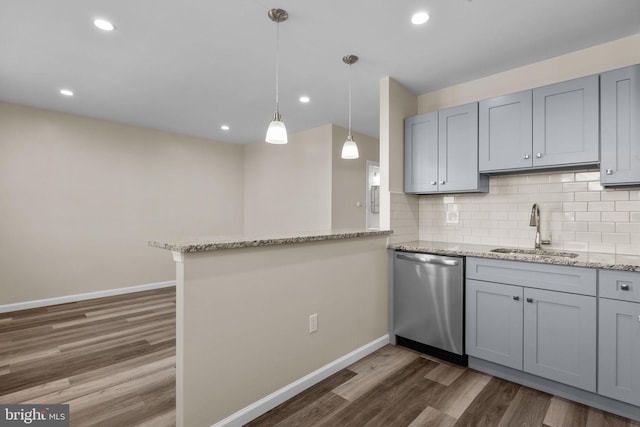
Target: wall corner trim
<point>82,297</point>
<point>269,402</point>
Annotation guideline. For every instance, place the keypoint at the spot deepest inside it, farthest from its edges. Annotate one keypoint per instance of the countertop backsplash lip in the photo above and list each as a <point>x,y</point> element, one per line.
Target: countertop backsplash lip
<point>216,243</point>
<point>606,261</point>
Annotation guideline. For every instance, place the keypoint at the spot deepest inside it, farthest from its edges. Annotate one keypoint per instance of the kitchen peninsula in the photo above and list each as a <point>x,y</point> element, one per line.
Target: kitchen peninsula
<point>244,316</point>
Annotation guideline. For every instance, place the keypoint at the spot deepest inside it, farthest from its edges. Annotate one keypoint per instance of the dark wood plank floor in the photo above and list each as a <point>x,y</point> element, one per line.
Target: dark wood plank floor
<point>111,359</point>
<point>398,387</point>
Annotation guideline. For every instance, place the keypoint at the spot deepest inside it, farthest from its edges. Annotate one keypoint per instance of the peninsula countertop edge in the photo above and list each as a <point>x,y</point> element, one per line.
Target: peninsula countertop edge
<point>217,243</point>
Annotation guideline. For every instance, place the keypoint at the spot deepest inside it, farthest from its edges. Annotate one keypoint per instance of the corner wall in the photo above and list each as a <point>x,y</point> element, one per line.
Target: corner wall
<point>80,198</point>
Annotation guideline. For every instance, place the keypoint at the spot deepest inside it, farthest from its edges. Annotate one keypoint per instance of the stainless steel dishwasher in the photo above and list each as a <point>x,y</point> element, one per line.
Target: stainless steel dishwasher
<point>428,304</point>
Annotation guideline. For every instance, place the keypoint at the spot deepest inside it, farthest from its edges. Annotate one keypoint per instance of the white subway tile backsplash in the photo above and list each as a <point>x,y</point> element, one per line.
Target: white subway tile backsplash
<point>576,213</point>
<point>588,176</point>
<point>587,196</point>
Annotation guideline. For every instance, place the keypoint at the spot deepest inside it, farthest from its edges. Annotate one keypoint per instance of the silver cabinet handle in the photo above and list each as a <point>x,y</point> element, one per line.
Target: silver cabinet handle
<point>525,156</point>
<point>624,287</point>
<point>609,171</point>
<point>442,182</point>
<point>433,182</point>
<point>516,298</point>
<point>538,155</point>
<point>529,299</point>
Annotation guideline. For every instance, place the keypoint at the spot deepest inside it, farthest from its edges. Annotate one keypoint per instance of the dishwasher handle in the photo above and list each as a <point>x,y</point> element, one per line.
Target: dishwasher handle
<point>418,258</point>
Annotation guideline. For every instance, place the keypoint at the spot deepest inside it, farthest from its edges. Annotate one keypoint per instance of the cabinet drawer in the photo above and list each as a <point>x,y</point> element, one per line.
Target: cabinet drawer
<point>620,285</point>
<point>576,280</point>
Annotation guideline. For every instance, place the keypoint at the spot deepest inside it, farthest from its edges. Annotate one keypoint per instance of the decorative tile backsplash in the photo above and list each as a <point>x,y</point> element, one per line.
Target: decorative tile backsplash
<point>576,214</point>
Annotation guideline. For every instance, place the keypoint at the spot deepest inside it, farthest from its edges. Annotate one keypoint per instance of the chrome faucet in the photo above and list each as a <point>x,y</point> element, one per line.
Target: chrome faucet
<point>534,221</point>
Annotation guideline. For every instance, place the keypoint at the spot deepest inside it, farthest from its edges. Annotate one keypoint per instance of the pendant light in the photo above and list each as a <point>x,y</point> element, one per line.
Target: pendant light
<point>350,149</point>
<point>277,132</point>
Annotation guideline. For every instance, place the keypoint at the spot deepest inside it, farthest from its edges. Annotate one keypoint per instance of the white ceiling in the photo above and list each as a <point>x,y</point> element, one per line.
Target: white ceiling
<point>190,66</point>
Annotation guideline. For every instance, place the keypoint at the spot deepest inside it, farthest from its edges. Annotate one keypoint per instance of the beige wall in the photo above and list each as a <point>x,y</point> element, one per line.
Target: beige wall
<point>288,187</point>
<point>348,183</point>
<point>80,197</point>
<point>245,319</point>
<point>608,56</point>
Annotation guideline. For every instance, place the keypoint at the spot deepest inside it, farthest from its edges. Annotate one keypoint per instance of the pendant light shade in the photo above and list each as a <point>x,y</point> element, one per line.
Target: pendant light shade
<point>277,131</point>
<point>350,148</point>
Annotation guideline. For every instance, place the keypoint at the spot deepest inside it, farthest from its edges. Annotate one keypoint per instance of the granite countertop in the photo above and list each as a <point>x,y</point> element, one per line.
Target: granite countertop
<point>216,243</point>
<point>584,259</point>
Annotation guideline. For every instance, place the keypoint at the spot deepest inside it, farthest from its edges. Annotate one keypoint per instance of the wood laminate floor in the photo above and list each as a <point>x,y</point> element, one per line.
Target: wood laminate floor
<point>398,387</point>
<point>111,359</point>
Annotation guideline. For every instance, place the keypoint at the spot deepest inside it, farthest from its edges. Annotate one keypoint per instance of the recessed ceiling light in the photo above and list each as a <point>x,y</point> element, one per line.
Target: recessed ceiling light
<point>224,127</point>
<point>103,24</point>
<point>304,99</point>
<point>419,18</point>
<point>66,92</point>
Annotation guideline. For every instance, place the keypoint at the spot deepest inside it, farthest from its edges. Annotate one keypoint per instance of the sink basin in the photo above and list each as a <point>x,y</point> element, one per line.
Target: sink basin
<point>535,252</point>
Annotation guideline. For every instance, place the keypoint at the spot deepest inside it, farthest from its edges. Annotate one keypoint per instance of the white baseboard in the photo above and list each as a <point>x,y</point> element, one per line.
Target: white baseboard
<point>81,297</point>
<point>269,402</point>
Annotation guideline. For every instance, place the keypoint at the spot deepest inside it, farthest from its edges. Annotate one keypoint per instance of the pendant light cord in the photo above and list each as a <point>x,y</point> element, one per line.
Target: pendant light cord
<point>349,99</point>
<point>277,69</point>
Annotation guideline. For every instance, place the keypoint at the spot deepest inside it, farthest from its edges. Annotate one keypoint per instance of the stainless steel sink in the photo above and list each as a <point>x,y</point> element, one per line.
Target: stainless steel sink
<point>535,252</point>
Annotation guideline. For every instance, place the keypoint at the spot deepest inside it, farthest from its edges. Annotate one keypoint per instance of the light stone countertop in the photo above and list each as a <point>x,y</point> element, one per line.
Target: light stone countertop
<point>584,259</point>
<point>216,243</point>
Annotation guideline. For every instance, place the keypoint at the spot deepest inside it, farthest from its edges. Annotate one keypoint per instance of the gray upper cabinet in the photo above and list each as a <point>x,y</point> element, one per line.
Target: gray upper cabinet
<point>566,123</point>
<point>620,126</point>
<point>441,152</point>
<point>421,153</point>
<point>505,133</point>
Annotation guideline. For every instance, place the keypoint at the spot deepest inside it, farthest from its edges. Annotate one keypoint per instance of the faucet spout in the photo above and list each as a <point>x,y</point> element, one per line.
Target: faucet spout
<point>534,221</point>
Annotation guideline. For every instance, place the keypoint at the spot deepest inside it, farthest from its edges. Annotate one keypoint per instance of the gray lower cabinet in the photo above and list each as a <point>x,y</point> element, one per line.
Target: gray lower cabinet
<point>619,335</point>
<point>619,350</point>
<point>620,127</point>
<point>560,337</point>
<point>566,123</point>
<point>494,322</point>
<point>533,328</point>
<point>441,152</point>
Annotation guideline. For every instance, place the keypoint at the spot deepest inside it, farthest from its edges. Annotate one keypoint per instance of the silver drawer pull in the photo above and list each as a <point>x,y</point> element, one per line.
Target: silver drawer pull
<point>609,171</point>
<point>538,155</point>
<point>525,156</point>
<point>516,298</point>
<point>442,182</point>
<point>624,287</point>
<point>433,182</point>
<point>529,299</point>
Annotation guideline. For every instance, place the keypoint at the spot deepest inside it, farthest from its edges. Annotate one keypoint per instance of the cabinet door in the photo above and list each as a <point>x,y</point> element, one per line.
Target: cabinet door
<point>421,153</point>
<point>620,137</point>
<point>494,322</point>
<point>565,123</point>
<point>560,337</point>
<point>619,350</point>
<point>505,132</point>
<point>458,150</point>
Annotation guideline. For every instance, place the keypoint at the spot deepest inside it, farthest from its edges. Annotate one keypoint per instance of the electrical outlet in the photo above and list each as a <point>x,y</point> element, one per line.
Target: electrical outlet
<point>313,323</point>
